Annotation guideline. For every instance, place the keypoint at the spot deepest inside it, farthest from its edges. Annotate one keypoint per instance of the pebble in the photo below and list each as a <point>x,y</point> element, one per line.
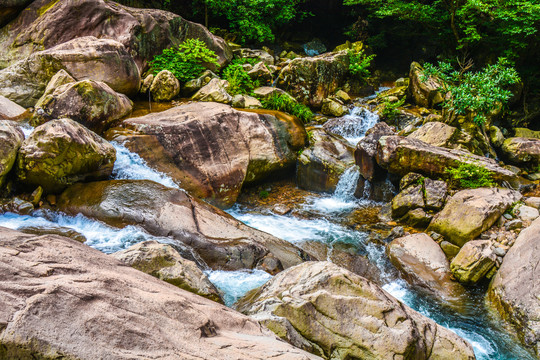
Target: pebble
<point>508,216</point>
<point>499,251</point>
<point>514,224</point>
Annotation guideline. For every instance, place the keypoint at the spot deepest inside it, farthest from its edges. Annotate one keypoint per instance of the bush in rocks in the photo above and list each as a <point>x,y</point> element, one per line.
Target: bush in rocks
<point>470,176</point>
<point>239,80</point>
<point>286,103</point>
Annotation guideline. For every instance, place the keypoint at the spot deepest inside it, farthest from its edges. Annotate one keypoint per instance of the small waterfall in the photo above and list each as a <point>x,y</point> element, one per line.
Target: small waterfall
<point>367,190</point>
<point>347,184</point>
<point>235,284</point>
<point>353,126</point>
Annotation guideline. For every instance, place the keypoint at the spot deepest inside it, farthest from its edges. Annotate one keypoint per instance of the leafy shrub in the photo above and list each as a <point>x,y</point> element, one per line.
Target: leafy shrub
<point>239,80</point>
<point>187,61</point>
<point>470,176</point>
<point>263,194</point>
<point>390,109</point>
<point>359,64</point>
<point>287,104</point>
<point>479,93</point>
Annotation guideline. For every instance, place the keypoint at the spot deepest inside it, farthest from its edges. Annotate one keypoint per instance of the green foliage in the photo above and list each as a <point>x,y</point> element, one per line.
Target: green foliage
<point>264,194</point>
<point>479,93</point>
<point>468,175</point>
<point>186,62</point>
<point>390,109</point>
<point>239,80</point>
<point>287,104</point>
<point>359,64</point>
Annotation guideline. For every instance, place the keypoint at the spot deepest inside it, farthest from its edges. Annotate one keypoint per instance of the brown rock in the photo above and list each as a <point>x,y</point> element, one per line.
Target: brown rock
<point>425,94</point>
<point>436,134</point>
<point>522,150</point>
<point>11,138</point>
<point>473,262</point>
<point>366,150</point>
<point>408,199</point>
<point>10,110</point>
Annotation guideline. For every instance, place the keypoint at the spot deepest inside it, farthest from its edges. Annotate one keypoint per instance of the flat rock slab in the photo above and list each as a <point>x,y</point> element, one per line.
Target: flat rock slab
<point>63,299</point>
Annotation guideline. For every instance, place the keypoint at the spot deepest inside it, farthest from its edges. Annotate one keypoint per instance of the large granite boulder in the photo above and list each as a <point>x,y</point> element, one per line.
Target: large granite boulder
<point>143,32</point>
<point>515,288</point>
<point>474,261</point>
<point>62,152</point>
<point>165,86</point>
<point>423,263</point>
<point>310,80</point>
<point>164,262</point>
<point>437,134</point>
<point>90,103</point>
<point>400,155</point>
<point>220,240</point>
<point>213,149</point>
<point>521,151</point>
<point>83,58</point>
<point>62,299</point>
<point>10,110</point>
<point>424,93</point>
<point>336,314</point>
<point>470,212</point>
<point>321,164</point>
<point>11,138</point>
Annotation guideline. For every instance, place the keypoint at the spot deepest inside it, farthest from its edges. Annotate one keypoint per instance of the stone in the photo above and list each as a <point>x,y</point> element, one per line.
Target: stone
<point>83,58</point>
<point>514,224</point>
<point>260,73</point>
<point>417,218</point>
<point>192,86</point>
<point>91,103</point>
<point>526,133</point>
<point>10,9</point>
<point>165,263</point>
<point>515,288</point>
<point>526,213</point>
<point>522,150</point>
<point>496,137</point>
<point>343,96</point>
<point>473,262</point>
<point>147,82</point>
<point>366,149</point>
<point>423,263</point>
<point>144,33</point>
<point>60,78</point>
<point>54,230</point>
<point>310,80</point>
<point>11,138</point>
<point>410,179</point>
<point>259,55</point>
<point>63,299</point>
<point>336,314</point>
<point>221,241</point>
<point>425,94</point>
<point>401,156</point>
<point>165,86</point>
<point>409,199</point>
<point>436,134</point>
<point>470,212</point>
<point>281,209</point>
<point>246,102</point>
<point>532,202</point>
<point>435,192</point>
<point>10,110</point>
<point>449,249</point>
<point>265,92</point>
<point>321,164</point>
<point>333,107</point>
<point>314,47</point>
<point>62,152</point>
<point>214,91</point>
<point>214,150</point>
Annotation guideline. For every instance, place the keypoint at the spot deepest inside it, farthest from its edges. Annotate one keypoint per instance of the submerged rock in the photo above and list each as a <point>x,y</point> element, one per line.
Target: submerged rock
<point>63,299</point>
<point>220,240</point>
<point>11,138</point>
<point>62,152</point>
<point>336,314</point>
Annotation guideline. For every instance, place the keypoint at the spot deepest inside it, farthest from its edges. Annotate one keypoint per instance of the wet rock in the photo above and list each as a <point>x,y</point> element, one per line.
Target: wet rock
<point>515,288</point>
<point>281,209</point>
<point>343,96</point>
<point>435,192</point>
<point>408,199</point>
<point>376,190</point>
<point>333,107</point>
<point>10,110</point>
<point>82,58</point>
<point>147,82</point>
<point>522,150</point>
<point>165,263</point>
<point>259,55</point>
<point>321,164</point>
<point>18,206</point>
<point>332,312</point>
<point>62,152</point>
<point>143,32</point>
<point>246,102</point>
<point>426,93</point>
<point>310,80</point>
<point>214,91</point>
<point>91,103</point>
<point>424,264</point>
<point>220,240</point>
<point>436,134</point>
<point>470,212</point>
<point>60,298</point>
<point>366,150</point>
<point>473,262</point>
<point>54,230</point>
<point>401,156</point>
<point>496,136</point>
<point>526,213</point>
<point>213,149</point>
<point>11,138</point>
<point>192,86</point>
<point>165,86</point>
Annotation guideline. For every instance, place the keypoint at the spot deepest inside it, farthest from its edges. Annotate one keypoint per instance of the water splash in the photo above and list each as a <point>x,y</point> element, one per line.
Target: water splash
<point>347,184</point>
<point>353,126</point>
<point>235,284</point>
<point>27,129</point>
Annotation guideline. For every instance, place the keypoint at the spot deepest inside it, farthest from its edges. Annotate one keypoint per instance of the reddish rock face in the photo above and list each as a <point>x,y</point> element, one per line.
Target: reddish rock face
<point>366,149</point>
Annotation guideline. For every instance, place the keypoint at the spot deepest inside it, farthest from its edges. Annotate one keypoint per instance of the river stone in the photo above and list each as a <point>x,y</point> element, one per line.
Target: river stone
<point>310,80</point>
<point>83,58</point>
<point>515,288</point>
<point>62,152</point>
<point>332,312</point>
<point>214,91</point>
<point>143,32</point>
<point>424,264</point>
<point>165,86</point>
<point>54,230</point>
<point>425,94</point>
<point>496,137</point>
<point>213,150</point>
<point>246,102</point>
<point>526,133</point>
<point>265,92</point>
<point>192,86</point>
<point>259,55</point>
<point>532,202</point>
<point>435,192</point>
<point>400,155</point>
<point>321,164</point>
<point>9,109</point>
<point>410,179</point>
<point>417,218</point>
<point>473,262</point>
<point>470,212</point>
<point>437,134</point>
<point>220,240</point>
<point>408,199</point>
<point>63,299</point>
<point>60,78</point>
<point>11,138</point>
<point>526,213</point>
<point>91,103</point>
<point>333,107</point>
<point>165,263</point>
<point>366,149</point>
<point>260,73</point>
<point>522,150</point>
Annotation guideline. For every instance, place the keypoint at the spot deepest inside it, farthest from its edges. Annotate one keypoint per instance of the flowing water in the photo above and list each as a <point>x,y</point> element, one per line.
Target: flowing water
<point>354,125</point>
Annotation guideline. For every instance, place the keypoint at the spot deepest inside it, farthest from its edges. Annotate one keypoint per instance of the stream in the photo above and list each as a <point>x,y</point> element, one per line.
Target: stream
<point>324,219</point>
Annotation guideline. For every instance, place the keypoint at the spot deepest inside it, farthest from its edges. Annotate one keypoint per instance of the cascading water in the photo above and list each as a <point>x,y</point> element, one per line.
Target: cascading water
<point>353,126</point>
<point>235,284</point>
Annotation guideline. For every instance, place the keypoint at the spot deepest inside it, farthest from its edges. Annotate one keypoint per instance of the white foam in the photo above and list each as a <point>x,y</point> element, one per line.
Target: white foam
<point>354,125</point>
<point>235,284</point>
